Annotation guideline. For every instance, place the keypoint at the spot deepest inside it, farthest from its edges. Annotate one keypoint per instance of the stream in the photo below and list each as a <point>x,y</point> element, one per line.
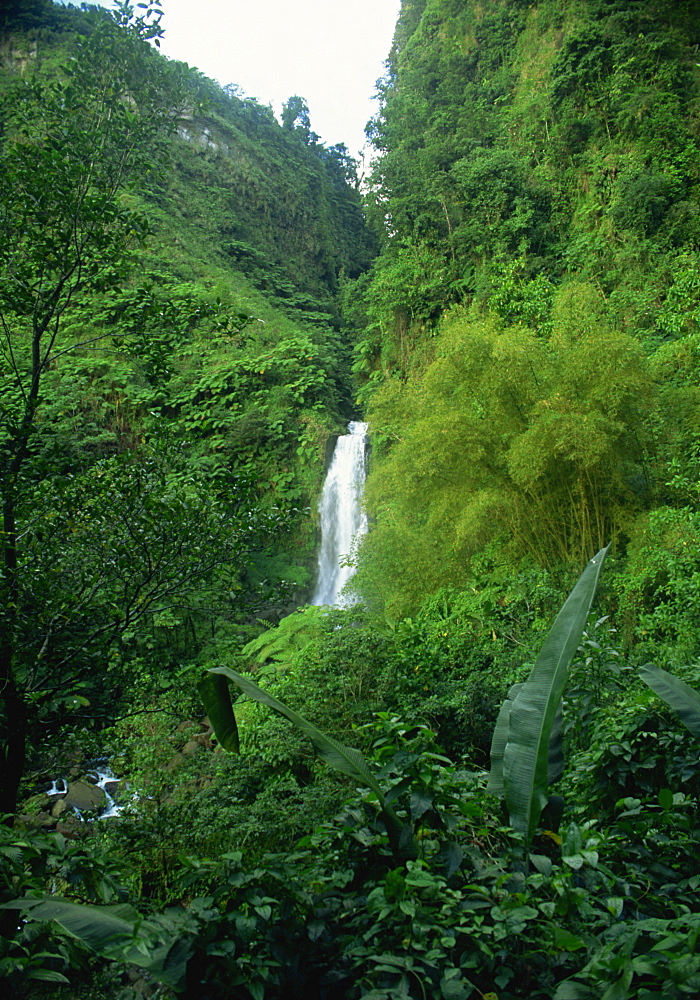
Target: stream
<point>101,776</point>
<point>343,522</point>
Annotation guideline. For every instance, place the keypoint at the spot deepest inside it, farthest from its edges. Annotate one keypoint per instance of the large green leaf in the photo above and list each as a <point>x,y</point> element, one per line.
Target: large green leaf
<point>107,930</point>
<point>555,758</point>
<point>118,933</point>
<point>214,692</point>
<point>499,741</point>
<point>682,698</point>
<point>345,759</point>
<point>528,761</point>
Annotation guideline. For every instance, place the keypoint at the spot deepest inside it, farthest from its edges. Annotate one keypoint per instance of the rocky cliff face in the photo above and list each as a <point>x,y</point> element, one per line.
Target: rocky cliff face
<point>16,55</point>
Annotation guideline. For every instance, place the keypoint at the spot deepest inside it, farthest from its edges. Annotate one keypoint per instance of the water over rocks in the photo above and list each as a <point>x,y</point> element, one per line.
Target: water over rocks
<point>92,792</point>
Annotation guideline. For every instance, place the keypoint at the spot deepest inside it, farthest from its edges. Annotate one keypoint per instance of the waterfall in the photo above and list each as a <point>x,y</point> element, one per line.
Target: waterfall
<point>343,521</point>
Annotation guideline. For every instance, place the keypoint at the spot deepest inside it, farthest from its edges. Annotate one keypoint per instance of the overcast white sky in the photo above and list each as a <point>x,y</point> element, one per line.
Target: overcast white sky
<point>330,52</point>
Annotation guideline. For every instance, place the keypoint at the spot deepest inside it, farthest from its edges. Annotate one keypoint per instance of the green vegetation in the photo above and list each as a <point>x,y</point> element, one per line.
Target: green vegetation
<point>467,786</point>
<point>537,183</point>
<point>163,422</point>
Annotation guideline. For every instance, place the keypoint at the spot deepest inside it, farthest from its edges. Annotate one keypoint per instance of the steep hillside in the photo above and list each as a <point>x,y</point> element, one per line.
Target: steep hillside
<point>172,359</point>
<point>532,320</point>
<point>262,200</point>
<point>561,135</point>
<point>180,278</point>
<point>251,226</point>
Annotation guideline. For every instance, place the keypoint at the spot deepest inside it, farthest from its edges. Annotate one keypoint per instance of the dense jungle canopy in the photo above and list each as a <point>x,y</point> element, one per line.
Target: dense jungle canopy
<point>462,786</point>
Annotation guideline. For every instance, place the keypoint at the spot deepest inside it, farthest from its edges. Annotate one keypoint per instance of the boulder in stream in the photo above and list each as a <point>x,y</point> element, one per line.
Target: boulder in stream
<point>58,808</point>
<point>85,797</point>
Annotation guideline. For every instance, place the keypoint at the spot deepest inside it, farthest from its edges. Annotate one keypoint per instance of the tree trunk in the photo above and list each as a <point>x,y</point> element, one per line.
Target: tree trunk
<point>13,745</point>
<point>13,717</point>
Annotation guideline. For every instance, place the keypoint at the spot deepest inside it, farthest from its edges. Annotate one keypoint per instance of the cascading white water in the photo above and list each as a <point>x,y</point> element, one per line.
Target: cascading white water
<point>343,521</point>
<point>103,777</point>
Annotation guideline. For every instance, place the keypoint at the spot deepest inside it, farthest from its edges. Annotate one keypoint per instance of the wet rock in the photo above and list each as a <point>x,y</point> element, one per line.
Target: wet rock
<point>85,797</point>
<point>37,804</point>
<point>42,820</point>
<point>70,826</point>
<point>58,808</point>
<point>139,983</point>
<point>204,740</point>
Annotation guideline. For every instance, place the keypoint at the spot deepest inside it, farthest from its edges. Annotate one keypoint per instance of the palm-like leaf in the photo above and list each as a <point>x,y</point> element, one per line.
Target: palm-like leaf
<point>682,698</point>
<point>117,933</point>
<point>214,692</point>
<point>523,760</point>
<point>499,741</point>
<point>345,759</point>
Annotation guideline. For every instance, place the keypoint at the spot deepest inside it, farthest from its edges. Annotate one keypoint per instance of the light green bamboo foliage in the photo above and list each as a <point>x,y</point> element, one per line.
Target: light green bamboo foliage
<point>345,759</point>
<point>526,747</point>
<point>681,697</point>
<point>504,437</point>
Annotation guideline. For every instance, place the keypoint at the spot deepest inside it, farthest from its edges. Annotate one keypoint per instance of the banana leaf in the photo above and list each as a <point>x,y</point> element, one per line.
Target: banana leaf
<point>682,698</point>
<point>529,755</point>
<point>118,933</point>
<point>555,759</point>
<point>499,741</point>
<point>214,692</point>
<point>345,759</point>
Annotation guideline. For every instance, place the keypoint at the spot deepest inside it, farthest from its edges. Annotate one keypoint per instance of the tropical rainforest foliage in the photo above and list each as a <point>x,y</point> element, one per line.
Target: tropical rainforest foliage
<point>529,322</point>
<point>468,785</point>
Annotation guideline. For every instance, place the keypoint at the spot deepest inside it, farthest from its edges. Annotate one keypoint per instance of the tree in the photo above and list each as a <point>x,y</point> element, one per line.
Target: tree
<point>105,553</point>
<point>533,446</point>
<point>295,118</point>
<point>295,113</point>
<point>25,13</point>
<point>71,148</point>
